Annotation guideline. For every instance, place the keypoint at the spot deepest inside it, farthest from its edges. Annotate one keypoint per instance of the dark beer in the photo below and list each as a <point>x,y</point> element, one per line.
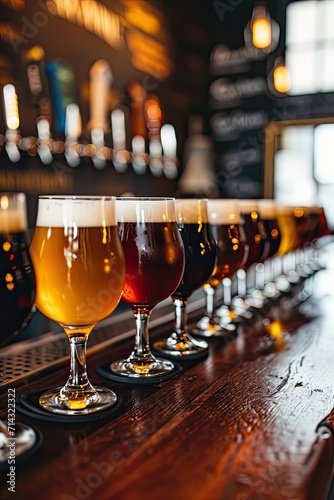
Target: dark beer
<point>17,283</point>
<point>254,232</point>
<point>154,258</point>
<point>230,251</point>
<point>17,280</point>
<point>269,216</point>
<point>200,258</point>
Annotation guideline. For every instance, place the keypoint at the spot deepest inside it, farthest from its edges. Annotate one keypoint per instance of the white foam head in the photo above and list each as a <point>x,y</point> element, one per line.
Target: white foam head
<point>13,213</point>
<point>223,212</point>
<point>79,211</point>
<point>145,209</point>
<point>191,211</point>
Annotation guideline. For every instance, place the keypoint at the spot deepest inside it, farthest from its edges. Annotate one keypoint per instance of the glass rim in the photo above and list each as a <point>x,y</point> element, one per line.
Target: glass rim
<point>75,197</point>
<point>145,198</point>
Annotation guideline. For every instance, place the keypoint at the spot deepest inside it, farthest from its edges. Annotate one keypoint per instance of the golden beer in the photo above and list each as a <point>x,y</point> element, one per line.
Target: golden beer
<point>288,228</point>
<point>80,273</point>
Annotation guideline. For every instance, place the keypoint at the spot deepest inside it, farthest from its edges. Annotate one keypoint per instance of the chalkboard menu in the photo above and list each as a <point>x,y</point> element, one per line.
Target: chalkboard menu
<point>239,110</point>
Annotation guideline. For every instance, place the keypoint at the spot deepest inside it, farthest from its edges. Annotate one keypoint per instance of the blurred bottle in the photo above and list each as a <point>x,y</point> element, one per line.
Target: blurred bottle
<point>198,178</point>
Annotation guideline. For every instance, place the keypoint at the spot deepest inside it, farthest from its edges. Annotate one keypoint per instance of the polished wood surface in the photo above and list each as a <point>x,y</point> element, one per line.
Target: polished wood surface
<point>253,420</point>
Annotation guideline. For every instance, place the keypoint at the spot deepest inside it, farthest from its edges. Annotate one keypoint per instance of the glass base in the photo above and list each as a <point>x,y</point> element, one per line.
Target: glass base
<point>207,327</point>
<point>15,442</point>
<point>175,346</point>
<point>142,369</point>
<point>99,400</point>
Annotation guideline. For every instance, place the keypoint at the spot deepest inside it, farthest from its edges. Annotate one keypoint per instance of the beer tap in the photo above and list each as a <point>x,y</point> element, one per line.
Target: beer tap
<point>63,91</point>
<point>12,122</point>
<point>153,114</point>
<point>44,136</point>
<point>139,156</point>
<point>100,81</point>
<point>121,157</point>
<point>72,133</point>
<point>34,58</point>
<point>137,94</point>
<point>168,141</point>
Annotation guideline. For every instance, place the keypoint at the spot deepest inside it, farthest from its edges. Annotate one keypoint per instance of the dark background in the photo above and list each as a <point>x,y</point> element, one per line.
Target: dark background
<point>189,30</point>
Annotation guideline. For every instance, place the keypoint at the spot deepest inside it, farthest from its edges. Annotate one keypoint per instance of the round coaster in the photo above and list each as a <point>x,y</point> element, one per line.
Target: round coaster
<point>105,371</point>
<point>225,335</point>
<point>28,405</point>
<point>181,358</point>
<point>27,454</point>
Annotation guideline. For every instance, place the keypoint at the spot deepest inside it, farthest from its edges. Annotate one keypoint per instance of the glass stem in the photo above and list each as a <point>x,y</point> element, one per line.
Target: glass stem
<point>142,347</point>
<point>78,385</point>
<point>78,371</point>
<point>180,318</point>
<point>211,301</point>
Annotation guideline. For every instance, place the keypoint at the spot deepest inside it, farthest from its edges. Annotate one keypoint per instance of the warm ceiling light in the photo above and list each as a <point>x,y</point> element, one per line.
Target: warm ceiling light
<point>261,33</point>
<point>261,27</point>
<point>282,79</point>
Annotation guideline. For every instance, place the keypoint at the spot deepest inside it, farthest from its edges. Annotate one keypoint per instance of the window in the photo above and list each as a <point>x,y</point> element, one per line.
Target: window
<point>310,46</point>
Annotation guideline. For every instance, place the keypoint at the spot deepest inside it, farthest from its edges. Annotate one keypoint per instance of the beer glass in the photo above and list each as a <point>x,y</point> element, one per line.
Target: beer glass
<point>255,238</point>
<point>17,284</point>
<point>17,290</point>
<point>225,224</point>
<point>154,257</point>
<point>201,255</point>
<point>271,237</point>
<point>289,241</point>
<point>79,266</point>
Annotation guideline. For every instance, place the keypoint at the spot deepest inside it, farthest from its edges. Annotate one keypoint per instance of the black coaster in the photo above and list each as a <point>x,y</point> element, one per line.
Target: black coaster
<point>26,456</point>
<point>105,371</point>
<point>28,405</point>
<point>183,358</point>
<point>226,335</point>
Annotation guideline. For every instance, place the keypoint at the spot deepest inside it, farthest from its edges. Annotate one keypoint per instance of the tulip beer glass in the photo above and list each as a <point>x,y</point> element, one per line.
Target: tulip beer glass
<point>79,266</point>
<point>154,257</point>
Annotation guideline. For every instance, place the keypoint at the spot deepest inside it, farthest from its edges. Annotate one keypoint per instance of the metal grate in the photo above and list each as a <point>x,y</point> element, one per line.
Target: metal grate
<point>30,356</point>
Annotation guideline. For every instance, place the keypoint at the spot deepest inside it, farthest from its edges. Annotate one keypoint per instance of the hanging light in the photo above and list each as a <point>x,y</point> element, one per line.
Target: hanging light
<point>281,77</point>
<point>261,27</point>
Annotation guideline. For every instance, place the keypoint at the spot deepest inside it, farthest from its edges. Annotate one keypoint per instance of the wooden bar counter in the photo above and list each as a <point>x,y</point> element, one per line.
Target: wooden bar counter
<point>253,420</point>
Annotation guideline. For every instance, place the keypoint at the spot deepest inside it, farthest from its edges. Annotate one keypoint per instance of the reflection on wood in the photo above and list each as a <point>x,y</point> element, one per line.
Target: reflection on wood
<point>242,424</point>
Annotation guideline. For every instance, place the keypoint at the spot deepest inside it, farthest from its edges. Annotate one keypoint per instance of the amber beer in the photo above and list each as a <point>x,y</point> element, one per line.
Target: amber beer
<point>80,263</point>
<point>199,246</point>
<point>311,223</point>
<point>254,231</point>
<point>269,214</point>
<point>154,259</point>
<point>17,283</point>
<point>227,231</point>
<point>288,228</point>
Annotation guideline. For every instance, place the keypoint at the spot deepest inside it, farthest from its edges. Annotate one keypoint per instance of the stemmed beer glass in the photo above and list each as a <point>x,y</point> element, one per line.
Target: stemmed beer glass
<point>225,223</point>
<point>17,283</point>
<point>201,255</point>
<point>79,265</point>
<point>154,256</point>
<point>17,290</point>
